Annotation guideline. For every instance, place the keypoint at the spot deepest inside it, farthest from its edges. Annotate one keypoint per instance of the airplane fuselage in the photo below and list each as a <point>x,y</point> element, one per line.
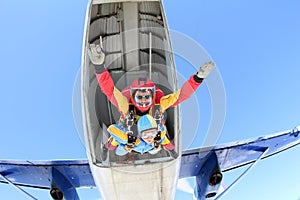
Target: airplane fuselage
<point>136,41</point>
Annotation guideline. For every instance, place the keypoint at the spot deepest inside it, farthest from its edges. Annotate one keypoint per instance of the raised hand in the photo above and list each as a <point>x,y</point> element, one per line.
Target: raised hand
<point>205,69</point>
<point>96,53</point>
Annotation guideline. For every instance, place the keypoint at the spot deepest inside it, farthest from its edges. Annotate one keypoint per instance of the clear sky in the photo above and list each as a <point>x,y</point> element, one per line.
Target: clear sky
<point>256,45</point>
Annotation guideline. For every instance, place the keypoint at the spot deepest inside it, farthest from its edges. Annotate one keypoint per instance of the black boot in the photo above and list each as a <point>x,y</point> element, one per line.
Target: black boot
<point>103,153</point>
<point>172,153</point>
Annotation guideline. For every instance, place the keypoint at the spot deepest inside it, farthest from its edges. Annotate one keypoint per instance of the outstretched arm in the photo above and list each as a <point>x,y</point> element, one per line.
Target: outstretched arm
<point>188,88</point>
<point>97,57</point>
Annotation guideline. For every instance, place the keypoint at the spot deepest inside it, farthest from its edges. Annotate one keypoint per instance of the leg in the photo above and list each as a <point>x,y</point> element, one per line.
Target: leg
<point>120,151</point>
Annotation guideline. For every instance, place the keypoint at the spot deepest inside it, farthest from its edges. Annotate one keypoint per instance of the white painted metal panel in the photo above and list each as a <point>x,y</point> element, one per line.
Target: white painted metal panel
<point>155,181</point>
<point>117,1</point>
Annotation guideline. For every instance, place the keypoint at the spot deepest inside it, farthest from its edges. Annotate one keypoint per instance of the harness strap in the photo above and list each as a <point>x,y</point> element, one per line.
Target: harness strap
<point>158,115</point>
<point>130,122</point>
<point>157,139</point>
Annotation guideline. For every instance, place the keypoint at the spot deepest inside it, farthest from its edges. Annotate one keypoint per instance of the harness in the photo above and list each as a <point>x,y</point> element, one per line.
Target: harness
<point>131,136</point>
<point>130,123</point>
<point>159,118</point>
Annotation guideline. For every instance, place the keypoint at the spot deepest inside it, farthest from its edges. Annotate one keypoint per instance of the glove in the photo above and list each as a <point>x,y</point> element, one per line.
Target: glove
<point>205,69</point>
<point>128,148</point>
<point>157,147</point>
<point>97,56</point>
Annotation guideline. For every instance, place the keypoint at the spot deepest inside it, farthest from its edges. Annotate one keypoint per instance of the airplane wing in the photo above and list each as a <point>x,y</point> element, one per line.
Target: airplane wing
<point>201,162</point>
<point>237,154</point>
<point>38,174</point>
<point>207,164</point>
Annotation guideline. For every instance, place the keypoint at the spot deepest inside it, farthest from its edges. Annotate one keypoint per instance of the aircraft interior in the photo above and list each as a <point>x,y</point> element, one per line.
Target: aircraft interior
<point>136,43</point>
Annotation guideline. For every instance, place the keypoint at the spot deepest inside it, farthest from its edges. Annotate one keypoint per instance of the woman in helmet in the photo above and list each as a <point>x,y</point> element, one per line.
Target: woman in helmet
<point>151,137</point>
<point>142,93</point>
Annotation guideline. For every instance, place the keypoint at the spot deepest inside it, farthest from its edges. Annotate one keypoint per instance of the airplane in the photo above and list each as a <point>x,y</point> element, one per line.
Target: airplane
<point>117,178</point>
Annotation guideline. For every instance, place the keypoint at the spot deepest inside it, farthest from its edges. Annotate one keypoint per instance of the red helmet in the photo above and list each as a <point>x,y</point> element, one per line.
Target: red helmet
<point>142,93</point>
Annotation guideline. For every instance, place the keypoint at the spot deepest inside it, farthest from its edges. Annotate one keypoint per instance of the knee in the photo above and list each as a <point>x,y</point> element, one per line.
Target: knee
<point>120,151</point>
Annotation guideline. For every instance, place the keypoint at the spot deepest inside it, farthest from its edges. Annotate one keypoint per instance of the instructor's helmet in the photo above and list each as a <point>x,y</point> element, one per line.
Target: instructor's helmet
<point>142,93</point>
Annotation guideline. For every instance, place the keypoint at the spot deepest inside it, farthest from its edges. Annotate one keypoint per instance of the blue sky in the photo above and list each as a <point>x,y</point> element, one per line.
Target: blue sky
<point>255,45</point>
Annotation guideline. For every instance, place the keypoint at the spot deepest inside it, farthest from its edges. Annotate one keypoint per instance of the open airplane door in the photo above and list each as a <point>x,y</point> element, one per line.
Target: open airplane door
<point>136,44</point>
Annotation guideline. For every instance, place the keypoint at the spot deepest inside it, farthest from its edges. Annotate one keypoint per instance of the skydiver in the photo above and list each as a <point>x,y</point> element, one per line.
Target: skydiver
<point>142,95</point>
<point>151,138</point>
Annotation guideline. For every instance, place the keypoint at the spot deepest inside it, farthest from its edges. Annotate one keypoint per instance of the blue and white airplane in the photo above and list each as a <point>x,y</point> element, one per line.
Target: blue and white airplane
<point>136,40</point>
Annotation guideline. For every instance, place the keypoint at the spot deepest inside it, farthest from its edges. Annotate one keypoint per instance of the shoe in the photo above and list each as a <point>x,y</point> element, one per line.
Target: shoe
<point>172,153</point>
<point>103,154</point>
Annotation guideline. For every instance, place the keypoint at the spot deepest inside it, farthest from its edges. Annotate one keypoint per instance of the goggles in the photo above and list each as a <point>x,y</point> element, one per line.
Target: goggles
<point>140,97</point>
<point>143,97</point>
<point>149,133</point>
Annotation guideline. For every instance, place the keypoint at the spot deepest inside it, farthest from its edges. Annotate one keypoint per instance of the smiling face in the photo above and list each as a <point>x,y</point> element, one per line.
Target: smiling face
<point>142,93</point>
<point>143,98</point>
<point>148,135</point>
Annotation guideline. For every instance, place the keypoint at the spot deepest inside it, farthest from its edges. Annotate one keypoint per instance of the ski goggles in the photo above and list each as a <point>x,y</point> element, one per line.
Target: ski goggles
<point>143,97</point>
<point>140,97</point>
<point>149,134</point>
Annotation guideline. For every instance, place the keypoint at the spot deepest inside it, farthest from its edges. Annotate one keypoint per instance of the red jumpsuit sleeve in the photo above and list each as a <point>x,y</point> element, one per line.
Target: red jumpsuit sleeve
<point>186,91</point>
<point>112,93</point>
<point>158,95</point>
